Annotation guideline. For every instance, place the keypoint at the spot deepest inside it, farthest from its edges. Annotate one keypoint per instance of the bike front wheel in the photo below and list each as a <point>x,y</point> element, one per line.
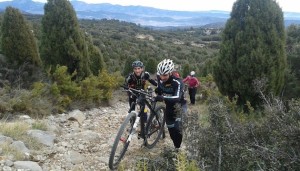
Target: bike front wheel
<point>155,126</point>
<point>122,141</point>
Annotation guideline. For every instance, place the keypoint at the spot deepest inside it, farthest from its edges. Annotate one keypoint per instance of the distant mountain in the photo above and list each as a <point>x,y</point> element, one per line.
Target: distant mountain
<point>145,16</point>
<point>28,6</point>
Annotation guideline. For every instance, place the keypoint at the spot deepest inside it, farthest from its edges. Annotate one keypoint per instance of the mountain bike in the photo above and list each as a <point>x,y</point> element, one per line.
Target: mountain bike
<point>151,128</point>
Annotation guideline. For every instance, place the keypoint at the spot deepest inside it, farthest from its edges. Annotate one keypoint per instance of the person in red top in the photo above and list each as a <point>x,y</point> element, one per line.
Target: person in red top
<point>193,83</point>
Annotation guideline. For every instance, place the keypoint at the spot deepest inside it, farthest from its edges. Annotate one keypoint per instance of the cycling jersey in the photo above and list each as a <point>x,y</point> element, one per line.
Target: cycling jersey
<point>172,90</point>
<point>139,82</point>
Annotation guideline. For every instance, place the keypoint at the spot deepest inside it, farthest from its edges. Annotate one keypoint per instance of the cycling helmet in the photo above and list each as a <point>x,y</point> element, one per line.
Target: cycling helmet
<point>192,73</point>
<point>137,64</point>
<point>165,67</point>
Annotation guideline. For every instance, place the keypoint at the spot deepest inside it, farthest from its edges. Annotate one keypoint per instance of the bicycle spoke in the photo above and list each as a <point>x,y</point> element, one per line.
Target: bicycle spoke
<point>122,141</point>
<point>155,127</point>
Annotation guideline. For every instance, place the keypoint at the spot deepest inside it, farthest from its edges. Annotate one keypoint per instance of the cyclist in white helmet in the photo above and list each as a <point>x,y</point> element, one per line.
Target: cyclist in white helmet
<point>170,89</point>
<point>193,84</point>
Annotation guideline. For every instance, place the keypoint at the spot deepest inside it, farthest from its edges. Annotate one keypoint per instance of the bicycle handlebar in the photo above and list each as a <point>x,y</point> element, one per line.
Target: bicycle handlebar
<point>135,92</point>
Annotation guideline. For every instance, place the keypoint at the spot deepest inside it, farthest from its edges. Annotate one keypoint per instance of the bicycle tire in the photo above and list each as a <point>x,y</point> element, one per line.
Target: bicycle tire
<point>155,126</point>
<point>121,139</point>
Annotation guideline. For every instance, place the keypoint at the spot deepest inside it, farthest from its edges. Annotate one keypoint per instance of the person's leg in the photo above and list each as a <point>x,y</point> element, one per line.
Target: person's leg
<point>174,131</point>
<point>193,95</point>
<point>190,94</point>
<point>176,136</point>
<point>144,113</point>
<point>131,103</point>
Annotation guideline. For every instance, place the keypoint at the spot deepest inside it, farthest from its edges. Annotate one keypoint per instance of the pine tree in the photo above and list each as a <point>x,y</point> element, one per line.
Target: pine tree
<point>128,68</point>
<point>186,70</point>
<point>17,40</point>
<point>293,43</point>
<point>97,62</point>
<point>292,82</point>
<point>62,41</point>
<point>253,48</point>
<point>151,66</point>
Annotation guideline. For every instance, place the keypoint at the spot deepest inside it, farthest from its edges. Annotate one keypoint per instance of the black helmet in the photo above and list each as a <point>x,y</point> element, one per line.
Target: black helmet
<point>137,64</point>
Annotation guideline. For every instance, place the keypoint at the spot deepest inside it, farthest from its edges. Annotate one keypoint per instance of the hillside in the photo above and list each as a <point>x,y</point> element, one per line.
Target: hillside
<point>144,16</point>
<point>120,41</point>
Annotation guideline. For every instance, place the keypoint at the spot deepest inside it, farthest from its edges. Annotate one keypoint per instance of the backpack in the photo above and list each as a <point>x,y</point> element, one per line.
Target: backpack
<point>193,82</point>
<point>176,74</point>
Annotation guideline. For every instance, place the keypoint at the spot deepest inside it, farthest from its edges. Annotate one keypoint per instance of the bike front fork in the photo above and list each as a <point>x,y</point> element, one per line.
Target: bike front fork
<point>133,128</point>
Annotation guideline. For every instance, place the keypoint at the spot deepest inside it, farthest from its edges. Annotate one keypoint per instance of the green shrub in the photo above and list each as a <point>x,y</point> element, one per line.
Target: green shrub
<point>90,89</point>
<point>259,140</point>
<point>64,82</point>
<point>108,83</point>
<point>183,164</point>
<point>64,93</point>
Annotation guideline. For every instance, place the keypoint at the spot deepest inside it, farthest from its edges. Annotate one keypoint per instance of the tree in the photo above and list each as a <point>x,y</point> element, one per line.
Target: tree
<point>151,66</point>
<point>128,67</point>
<point>293,45</point>
<point>292,83</point>
<point>97,63</point>
<point>253,48</point>
<point>186,70</point>
<point>207,67</point>
<point>17,40</point>
<point>62,41</point>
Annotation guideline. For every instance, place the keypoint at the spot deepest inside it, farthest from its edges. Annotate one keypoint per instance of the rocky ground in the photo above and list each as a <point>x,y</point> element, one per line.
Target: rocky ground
<point>79,140</point>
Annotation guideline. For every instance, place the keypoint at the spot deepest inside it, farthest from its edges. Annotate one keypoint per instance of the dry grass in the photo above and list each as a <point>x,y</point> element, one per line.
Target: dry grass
<point>15,130</point>
<point>7,150</point>
<point>18,131</point>
<point>40,125</point>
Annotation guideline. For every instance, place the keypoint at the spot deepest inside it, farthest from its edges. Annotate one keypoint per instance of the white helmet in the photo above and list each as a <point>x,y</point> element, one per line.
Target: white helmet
<point>192,73</point>
<point>165,67</point>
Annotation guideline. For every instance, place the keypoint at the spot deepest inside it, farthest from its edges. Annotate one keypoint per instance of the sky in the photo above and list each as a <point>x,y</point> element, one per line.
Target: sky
<point>191,5</point>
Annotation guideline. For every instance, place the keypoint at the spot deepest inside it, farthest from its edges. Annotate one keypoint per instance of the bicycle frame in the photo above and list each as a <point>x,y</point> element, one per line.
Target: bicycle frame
<point>142,100</point>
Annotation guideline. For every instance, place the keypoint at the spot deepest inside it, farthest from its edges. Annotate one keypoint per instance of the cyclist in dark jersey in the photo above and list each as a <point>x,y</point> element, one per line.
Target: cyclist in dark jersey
<point>170,89</point>
<point>137,80</point>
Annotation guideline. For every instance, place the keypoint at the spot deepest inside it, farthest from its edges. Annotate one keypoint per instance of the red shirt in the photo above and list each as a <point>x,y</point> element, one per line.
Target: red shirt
<point>192,81</point>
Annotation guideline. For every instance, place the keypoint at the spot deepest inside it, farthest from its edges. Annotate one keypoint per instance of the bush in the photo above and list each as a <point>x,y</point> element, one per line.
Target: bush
<point>108,83</point>
<point>86,93</point>
<point>239,141</point>
<point>64,93</point>
<point>90,89</point>
<point>64,84</point>
<point>31,102</point>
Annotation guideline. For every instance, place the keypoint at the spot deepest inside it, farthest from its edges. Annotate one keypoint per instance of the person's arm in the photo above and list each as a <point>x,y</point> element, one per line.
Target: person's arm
<point>186,79</point>
<point>178,90</point>
<point>158,90</point>
<point>129,80</point>
<point>152,81</point>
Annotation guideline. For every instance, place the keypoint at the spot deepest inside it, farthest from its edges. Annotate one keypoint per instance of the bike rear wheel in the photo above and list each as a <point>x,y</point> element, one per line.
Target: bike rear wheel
<point>155,126</point>
<point>122,141</point>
